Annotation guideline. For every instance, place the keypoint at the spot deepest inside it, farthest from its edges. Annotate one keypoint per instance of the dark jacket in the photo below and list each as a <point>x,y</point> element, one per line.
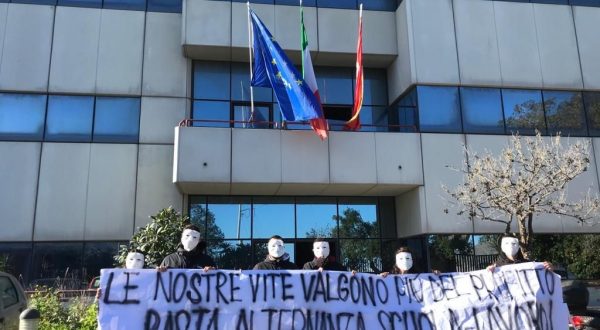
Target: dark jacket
<point>189,260</point>
<point>502,260</point>
<point>271,263</point>
<point>327,264</point>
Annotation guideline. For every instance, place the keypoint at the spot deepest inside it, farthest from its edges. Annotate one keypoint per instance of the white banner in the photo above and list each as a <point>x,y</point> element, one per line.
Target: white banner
<point>523,296</point>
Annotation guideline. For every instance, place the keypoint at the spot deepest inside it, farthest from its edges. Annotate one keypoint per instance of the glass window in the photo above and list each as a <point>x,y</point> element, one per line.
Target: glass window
<point>363,255</point>
<point>438,109</point>
<point>344,4</point>
<point>403,114</point>
<point>125,4</point>
<point>358,218</point>
<point>375,87</point>
<point>592,108</point>
<point>166,6</point>
<point>384,5</point>
<point>244,117</point>
<point>22,116</point>
<point>37,2</point>
<point>335,85</point>
<point>232,254</point>
<point>16,258</point>
<point>523,111</point>
<point>593,3</point>
<point>305,3</point>
<point>229,217</point>
<point>373,119</point>
<point>117,119</point>
<point>58,265</point>
<point>268,2</point>
<point>557,2</point>
<point>69,118</point>
<point>273,216</point>
<point>316,217</point>
<point>240,85</point>
<point>211,80</point>
<point>98,255</point>
<point>564,113</point>
<point>211,113</point>
<point>482,110</point>
<point>81,3</point>
<point>197,212</point>
<point>8,292</point>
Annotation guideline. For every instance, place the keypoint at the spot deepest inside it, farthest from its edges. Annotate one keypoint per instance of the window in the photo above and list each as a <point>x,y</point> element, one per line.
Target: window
<point>273,216</point>
<point>211,113</point>
<point>344,4</point>
<point>58,264</point>
<point>81,3</point>
<point>316,217</point>
<point>268,2</point>
<point>98,255</point>
<point>125,4</point>
<point>17,260</point>
<point>438,109</point>
<point>167,6</point>
<point>305,3</point>
<point>8,292</point>
<point>245,118</point>
<point>374,119</point>
<point>69,118</point>
<point>211,80</point>
<point>358,218</point>
<point>564,113</point>
<point>240,85</point>
<point>375,87</point>
<point>523,111</point>
<point>230,217</point>
<point>592,108</point>
<point>384,5</point>
<point>363,255</point>
<point>117,119</point>
<point>482,110</point>
<point>335,85</point>
<point>232,254</point>
<point>37,2</point>
<point>22,116</point>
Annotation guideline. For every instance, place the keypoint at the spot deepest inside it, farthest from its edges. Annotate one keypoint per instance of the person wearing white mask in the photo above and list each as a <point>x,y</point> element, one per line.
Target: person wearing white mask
<point>323,260</point>
<point>277,258</point>
<point>404,263</point>
<point>511,253</point>
<point>190,253</point>
<point>134,260</point>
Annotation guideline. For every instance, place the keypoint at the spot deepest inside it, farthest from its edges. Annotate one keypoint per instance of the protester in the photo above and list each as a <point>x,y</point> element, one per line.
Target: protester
<point>277,258</point>
<point>134,260</point>
<point>404,263</point>
<point>190,253</point>
<point>511,254</point>
<point>322,260</point>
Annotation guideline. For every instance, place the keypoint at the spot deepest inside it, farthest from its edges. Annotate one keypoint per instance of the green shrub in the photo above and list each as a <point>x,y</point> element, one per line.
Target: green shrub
<point>79,313</point>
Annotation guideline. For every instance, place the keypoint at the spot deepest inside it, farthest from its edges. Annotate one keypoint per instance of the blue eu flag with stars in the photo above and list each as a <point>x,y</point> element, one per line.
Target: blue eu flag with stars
<point>272,68</point>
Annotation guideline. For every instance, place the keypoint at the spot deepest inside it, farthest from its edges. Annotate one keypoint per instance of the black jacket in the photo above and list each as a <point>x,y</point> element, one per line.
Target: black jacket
<point>327,264</point>
<point>189,260</point>
<point>503,260</point>
<point>276,264</point>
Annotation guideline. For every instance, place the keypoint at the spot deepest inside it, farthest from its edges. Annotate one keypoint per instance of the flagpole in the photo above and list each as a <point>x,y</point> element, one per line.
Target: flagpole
<point>250,62</point>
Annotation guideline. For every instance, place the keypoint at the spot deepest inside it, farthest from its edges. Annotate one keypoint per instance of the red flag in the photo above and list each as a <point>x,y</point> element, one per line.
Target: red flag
<point>354,122</point>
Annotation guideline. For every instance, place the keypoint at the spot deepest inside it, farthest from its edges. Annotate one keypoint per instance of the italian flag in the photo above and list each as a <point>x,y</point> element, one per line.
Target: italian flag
<point>319,125</point>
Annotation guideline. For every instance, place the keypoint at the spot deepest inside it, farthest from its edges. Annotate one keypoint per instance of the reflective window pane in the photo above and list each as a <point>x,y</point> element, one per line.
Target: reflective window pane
<point>81,3</point>
<point>98,255</point>
<point>523,111</point>
<point>403,114</point>
<point>305,3</point>
<point>37,2</point>
<point>592,109</point>
<point>240,85</point>
<point>22,116</point>
<point>268,2</point>
<point>375,87</point>
<point>58,265</point>
<point>482,110</point>
<point>117,119</point>
<point>362,255</point>
<point>593,3</point>
<point>232,254</point>
<point>69,118</point>
<point>273,216</point>
<point>335,85</point>
<point>373,119</point>
<point>211,114</point>
<point>316,217</point>
<point>383,5</point>
<point>125,4</point>
<point>211,80</point>
<point>197,212</point>
<point>564,113</point>
<point>230,217</point>
<point>439,109</point>
<point>344,4</point>
<point>244,118</point>
<point>358,218</point>
<point>16,260</point>
<point>165,6</point>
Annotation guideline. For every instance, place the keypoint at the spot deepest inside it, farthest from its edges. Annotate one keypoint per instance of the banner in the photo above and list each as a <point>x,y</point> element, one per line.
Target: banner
<point>524,296</point>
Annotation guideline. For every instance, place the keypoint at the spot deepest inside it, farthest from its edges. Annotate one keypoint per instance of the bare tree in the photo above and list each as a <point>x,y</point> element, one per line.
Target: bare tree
<point>528,177</point>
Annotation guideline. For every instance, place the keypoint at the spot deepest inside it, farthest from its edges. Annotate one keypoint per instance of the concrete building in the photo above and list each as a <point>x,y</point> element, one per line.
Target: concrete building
<point>92,93</point>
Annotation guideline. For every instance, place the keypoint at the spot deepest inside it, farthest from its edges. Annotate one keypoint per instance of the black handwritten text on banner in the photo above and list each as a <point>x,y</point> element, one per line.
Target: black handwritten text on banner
<point>524,296</point>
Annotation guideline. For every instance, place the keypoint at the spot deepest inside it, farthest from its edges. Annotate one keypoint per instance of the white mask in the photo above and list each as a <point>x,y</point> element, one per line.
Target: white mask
<point>404,261</point>
<point>189,239</point>
<point>276,248</point>
<point>134,260</point>
<point>321,249</point>
<point>510,246</point>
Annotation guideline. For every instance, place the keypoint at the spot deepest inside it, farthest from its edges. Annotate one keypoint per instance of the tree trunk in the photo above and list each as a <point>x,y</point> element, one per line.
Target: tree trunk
<point>524,235</point>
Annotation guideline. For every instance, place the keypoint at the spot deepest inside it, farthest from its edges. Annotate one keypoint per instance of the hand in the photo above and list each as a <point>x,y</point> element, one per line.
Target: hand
<point>207,268</point>
<point>162,268</point>
<point>353,272</point>
<point>320,269</point>
<point>491,267</point>
<point>98,294</point>
<point>384,274</point>
<point>436,272</point>
<point>548,266</point>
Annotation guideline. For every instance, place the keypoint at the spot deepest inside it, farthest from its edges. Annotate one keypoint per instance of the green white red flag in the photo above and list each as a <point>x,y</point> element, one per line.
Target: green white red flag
<point>354,122</point>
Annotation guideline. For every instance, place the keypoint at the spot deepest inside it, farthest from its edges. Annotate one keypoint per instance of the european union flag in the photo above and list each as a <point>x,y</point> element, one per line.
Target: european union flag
<point>273,69</point>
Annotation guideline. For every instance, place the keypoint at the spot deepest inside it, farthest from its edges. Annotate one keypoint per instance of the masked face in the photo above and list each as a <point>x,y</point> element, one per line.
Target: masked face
<point>189,239</point>
<point>276,248</point>
<point>510,246</point>
<point>404,261</point>
<point>134,260</point>
<point>321,249</point>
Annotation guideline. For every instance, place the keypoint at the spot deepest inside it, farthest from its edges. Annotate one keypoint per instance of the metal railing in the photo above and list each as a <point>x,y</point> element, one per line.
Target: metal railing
<point>288,125</point>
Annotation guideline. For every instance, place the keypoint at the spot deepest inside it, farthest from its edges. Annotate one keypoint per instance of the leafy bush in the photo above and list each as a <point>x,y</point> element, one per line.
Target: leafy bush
<point>79,313</point>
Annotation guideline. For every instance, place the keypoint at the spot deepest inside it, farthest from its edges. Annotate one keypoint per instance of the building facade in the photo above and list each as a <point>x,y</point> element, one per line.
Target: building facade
<point>94,93</point>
